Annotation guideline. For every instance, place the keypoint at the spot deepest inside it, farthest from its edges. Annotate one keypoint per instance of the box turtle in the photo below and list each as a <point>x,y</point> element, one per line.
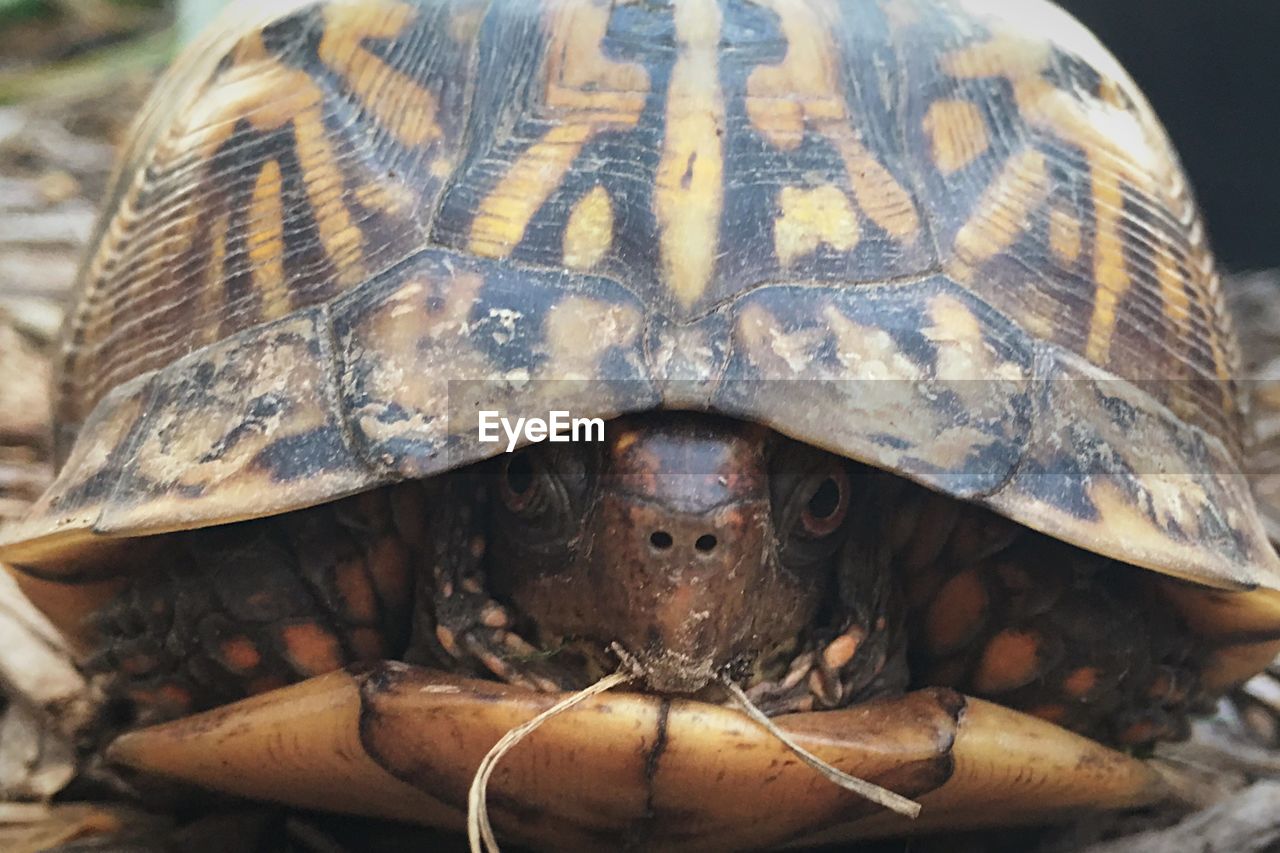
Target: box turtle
<point>922,431</point>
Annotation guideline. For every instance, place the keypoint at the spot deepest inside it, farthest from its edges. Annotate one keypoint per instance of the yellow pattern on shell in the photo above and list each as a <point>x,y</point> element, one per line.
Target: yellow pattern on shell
<point>588,235</point>
<point>958,133</point>
<point>266,242</point>
<point>689,188</point>
<point>1001,213</point>
<point>813,217</point>
<point>341,236</point>
<point>1065,239</point>
<point>588,92</point>
<point>399,104</point>
<point>804,90</point>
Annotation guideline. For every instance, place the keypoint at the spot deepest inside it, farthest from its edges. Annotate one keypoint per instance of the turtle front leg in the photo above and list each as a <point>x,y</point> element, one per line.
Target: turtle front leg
<point>862,653</point>
<point>244,608</point>
<point>457,624</point>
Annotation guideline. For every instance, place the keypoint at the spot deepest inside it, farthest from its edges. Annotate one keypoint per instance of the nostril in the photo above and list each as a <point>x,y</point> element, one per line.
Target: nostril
<point>660,539</point>
<point>706,543</point>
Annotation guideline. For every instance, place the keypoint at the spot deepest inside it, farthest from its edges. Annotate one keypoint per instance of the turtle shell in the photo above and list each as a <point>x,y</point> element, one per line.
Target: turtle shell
<point>947,238</point>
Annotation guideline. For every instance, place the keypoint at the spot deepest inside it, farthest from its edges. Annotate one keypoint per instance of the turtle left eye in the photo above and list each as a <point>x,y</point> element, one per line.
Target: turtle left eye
<point>827,507</point>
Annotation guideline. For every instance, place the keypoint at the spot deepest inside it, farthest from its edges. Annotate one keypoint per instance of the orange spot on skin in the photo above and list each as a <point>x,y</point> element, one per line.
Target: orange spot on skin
<point>239,655</point>
<point>957,613</point>
<point>387,563</point>
<point>623,442</point>
<point>1015,577</point>
<point>1052,713</point>
<point>1143,731</point>
<point>137,664</point>
<point>817,685</point>
<point>1167,688</point>
<point>1011,660</point>
<point>260,600</point>
<point>150,705</point>
<point>979,534</point>
<point>311,649</point>
<point>358,601</point>
<point>930,534</point>
<point>494,616</point>
<point>178,697</point>
<point>1081,682</point>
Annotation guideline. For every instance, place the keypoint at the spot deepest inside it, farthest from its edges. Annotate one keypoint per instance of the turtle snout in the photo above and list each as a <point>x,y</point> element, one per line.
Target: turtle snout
<point>675,585</point>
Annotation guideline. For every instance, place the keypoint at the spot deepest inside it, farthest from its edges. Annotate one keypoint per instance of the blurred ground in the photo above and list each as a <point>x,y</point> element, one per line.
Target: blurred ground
<point>71,74</point>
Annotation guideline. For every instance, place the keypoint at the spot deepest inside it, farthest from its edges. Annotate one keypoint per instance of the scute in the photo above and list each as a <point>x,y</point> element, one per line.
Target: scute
<point>290,157</point>
<point>946,241</point>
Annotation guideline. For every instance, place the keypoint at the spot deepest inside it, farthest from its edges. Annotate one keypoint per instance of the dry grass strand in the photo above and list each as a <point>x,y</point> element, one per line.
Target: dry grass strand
<point>479,829</point>
<point>868,790</point>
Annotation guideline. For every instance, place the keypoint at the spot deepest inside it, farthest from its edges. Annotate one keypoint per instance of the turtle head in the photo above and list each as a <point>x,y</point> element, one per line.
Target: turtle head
<point>697,545</point>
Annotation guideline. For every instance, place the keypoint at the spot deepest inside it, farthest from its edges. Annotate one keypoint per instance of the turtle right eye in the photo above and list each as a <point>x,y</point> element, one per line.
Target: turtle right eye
<point>826,509</point>
<point>519,482</point>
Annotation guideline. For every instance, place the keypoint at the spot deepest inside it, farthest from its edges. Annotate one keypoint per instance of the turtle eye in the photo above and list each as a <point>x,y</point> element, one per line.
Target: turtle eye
<point>519,485</point>
<point>827,507</point>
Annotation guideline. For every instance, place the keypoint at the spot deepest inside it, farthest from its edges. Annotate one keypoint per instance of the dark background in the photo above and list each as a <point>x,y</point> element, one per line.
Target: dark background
<point>1211,68</point>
